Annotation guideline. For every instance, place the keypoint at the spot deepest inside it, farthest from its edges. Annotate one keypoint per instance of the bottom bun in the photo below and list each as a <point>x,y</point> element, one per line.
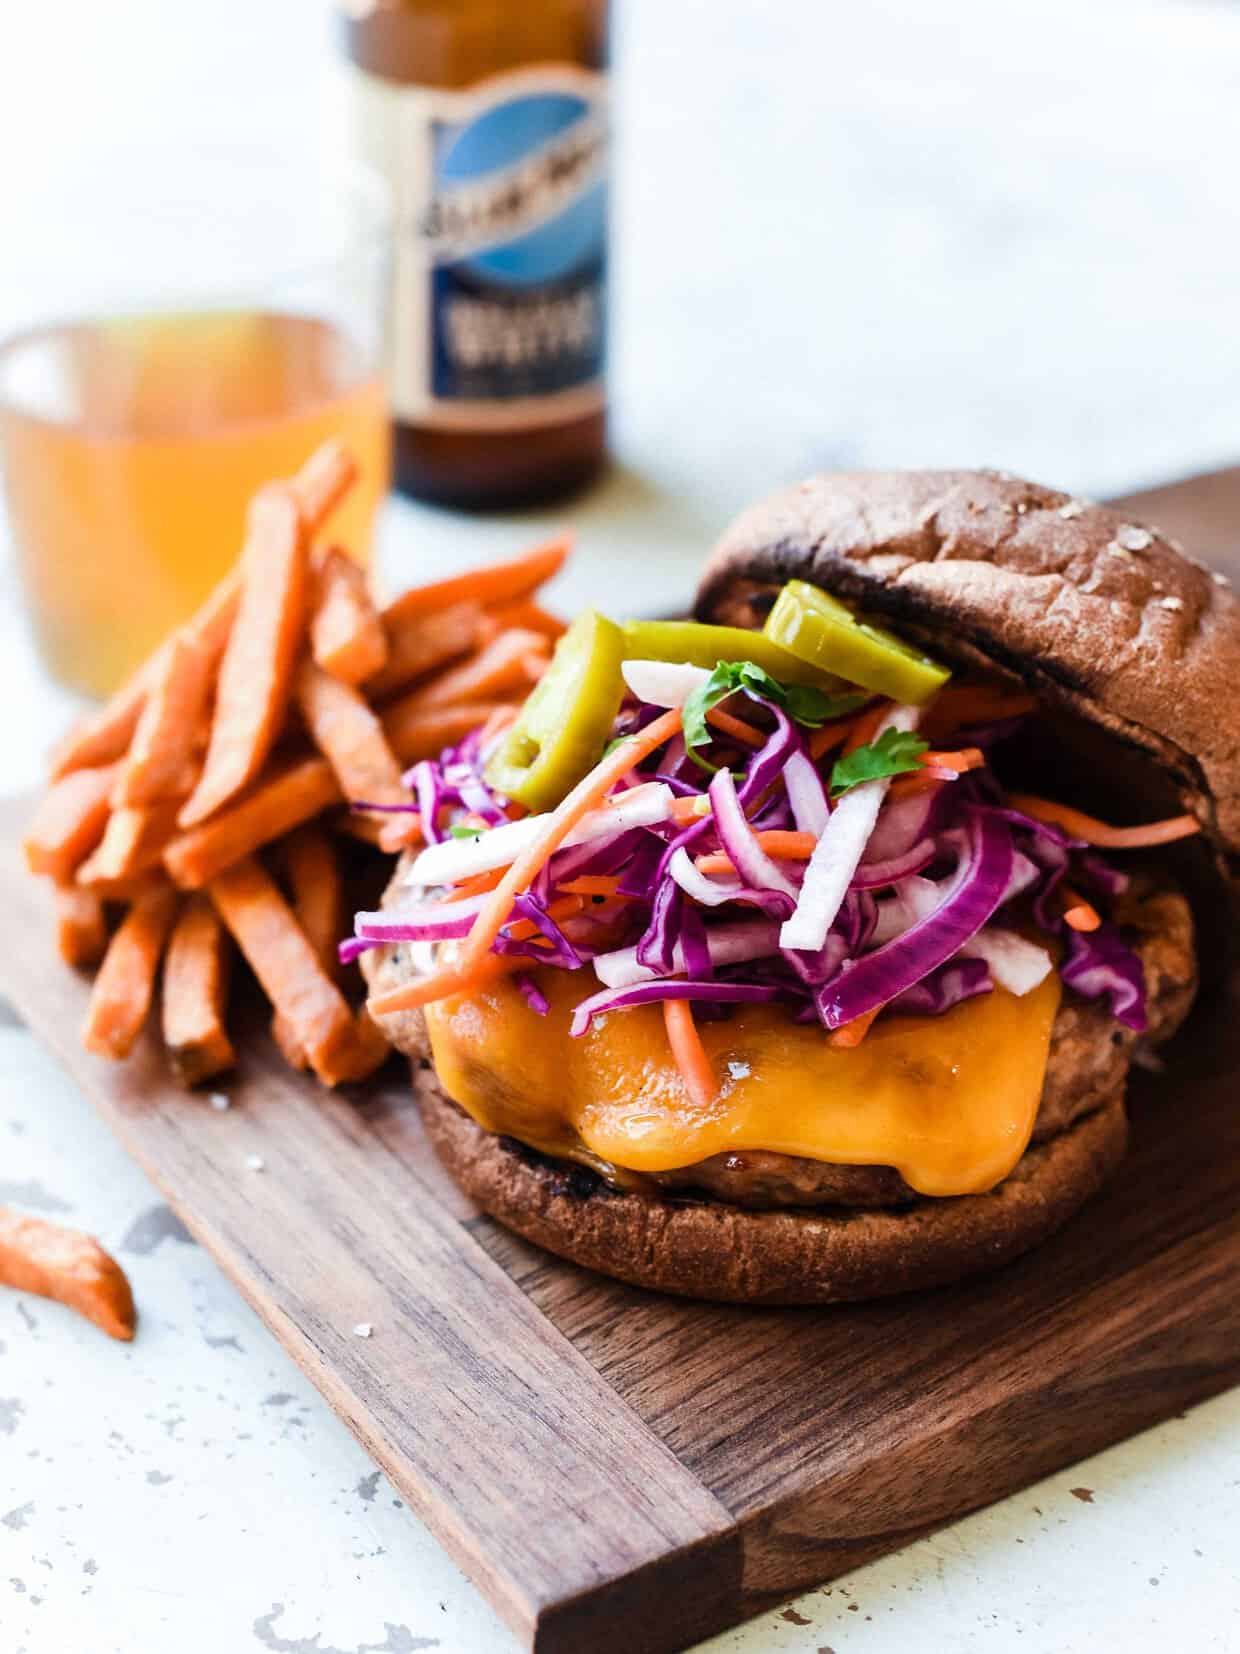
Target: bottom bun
<point>705,1249</point>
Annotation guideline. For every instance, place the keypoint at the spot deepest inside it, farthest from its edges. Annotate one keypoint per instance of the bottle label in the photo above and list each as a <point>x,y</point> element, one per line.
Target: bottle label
<point>500,192</point>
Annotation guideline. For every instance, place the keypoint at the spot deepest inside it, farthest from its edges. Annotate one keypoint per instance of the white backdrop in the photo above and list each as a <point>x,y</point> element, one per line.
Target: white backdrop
<point>847,234</point>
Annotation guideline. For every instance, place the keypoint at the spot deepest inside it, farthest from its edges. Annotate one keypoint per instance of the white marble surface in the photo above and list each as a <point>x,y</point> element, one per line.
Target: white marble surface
<point>877,234</point>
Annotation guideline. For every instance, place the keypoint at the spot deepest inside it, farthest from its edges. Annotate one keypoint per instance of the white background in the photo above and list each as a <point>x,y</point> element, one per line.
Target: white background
<point>845,235</point>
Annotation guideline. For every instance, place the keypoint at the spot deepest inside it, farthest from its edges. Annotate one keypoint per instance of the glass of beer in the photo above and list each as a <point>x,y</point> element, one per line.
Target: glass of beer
<point>200,323</point>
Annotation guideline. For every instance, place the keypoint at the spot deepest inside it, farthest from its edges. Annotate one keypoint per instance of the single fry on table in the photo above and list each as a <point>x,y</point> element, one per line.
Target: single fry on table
<point>68,1266</point>
<point>195,995</point>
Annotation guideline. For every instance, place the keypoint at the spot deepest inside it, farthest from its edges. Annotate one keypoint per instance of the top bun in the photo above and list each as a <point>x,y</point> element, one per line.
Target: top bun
<point>1104,619</point>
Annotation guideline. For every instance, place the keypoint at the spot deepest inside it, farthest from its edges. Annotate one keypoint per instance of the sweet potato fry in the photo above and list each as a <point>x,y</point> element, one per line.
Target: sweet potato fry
<point>269,810</point>
<point>121,995</point>
<point>346,633</point>
<point>531,617</point>
<point>368,1051</point>
<point>415,731</point>
<point>350,737</point>
<point>133,842</point>
<point>69,822</point>
<point>317,897</point>
<point>322,483</point>
<point>285,963</point>
<point>105,735</point>
<point>420,644</point>
<point>504,667</point>
<point>195,993</point>
<point>256,671</point>
<point>171,728</point>
<point>499,583</point>
<point>81,929</point>
<point>126,892</point>
<point>69,1267</point>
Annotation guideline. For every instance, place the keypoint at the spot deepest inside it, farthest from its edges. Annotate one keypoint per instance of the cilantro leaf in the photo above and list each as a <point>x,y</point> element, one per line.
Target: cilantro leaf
<point>895,752</point>
<point>802,702</point>
<point>457,831</point>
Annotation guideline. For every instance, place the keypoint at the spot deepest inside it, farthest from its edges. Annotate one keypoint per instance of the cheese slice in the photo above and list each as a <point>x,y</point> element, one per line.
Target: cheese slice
<point>948,1101</point>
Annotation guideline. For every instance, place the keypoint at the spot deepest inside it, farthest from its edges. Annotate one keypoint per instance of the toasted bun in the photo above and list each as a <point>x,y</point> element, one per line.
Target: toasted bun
<point>1098,616</point>
<point>710,1250</point>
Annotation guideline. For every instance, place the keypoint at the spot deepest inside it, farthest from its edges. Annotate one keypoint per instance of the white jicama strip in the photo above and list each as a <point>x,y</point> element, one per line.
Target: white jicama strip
<point>728,945</point>
<point>839,850</point>
<point>494,847</point>
<point>737,838</point>
<point>662,682</point>
<point>805,795</point>
<point>1015,964</point>
<point>706,891</point>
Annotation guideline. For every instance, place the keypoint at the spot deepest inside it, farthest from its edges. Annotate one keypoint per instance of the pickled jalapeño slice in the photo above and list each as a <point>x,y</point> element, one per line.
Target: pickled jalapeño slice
<point>699,644</point>
<point>567,718</point>
<point>819,630</point>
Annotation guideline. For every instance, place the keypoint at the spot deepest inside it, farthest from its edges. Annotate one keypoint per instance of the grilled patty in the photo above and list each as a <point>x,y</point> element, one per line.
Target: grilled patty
<point>1090,1054</point>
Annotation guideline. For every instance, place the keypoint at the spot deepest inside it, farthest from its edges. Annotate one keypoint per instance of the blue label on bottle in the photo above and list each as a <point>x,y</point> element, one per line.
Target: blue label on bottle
<point>514,239</point>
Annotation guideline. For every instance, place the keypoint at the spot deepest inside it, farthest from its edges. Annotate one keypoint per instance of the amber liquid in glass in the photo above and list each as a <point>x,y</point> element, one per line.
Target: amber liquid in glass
<point>130,450</point>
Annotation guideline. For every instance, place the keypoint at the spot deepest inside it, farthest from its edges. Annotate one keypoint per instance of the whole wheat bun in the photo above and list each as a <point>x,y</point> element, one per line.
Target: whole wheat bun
<point>706,1249</point>
<point>1100,617</point>
<point>1133,651</point>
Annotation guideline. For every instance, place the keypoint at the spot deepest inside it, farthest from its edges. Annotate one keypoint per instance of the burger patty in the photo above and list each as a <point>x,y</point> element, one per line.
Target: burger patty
<point>1087,1065</point>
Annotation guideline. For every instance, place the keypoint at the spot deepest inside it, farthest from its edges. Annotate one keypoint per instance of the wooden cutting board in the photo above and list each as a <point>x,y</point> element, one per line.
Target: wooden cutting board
<point>623,1472</point>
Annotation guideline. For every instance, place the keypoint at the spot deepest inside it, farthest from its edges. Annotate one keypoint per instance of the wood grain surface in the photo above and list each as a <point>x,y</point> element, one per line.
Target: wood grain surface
<point>623,1472</point>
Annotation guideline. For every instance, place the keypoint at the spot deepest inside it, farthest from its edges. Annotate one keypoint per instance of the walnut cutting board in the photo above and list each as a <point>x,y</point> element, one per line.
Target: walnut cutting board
<point>623,1472</point>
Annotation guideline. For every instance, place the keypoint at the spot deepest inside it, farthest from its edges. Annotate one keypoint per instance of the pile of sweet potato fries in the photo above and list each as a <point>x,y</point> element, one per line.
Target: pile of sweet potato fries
<point>208,803</point>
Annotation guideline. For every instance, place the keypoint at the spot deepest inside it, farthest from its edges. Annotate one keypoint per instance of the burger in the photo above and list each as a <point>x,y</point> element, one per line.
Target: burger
<point>800,951</point>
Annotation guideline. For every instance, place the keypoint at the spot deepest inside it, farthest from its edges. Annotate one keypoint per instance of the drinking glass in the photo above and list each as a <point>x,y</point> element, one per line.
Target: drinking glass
<point>192,326</point>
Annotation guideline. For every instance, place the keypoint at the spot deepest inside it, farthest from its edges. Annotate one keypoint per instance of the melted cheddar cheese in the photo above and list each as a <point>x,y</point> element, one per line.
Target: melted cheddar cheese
<point>948,1101</point>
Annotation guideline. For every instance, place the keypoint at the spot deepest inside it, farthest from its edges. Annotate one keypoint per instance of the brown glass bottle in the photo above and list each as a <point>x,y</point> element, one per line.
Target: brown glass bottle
<point>489,120</point>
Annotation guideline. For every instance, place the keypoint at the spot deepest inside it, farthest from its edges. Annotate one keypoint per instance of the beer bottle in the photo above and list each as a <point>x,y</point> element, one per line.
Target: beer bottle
<point>489,119</point>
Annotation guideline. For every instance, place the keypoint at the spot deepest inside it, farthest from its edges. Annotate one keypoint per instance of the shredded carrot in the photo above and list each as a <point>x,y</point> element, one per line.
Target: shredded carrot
<point>690,809</point>
<point>967,758</point>
<point>830,736</point>
<point>591,884</point>
<point>499,583</point>
<point>776,841</point>
<point>1077,912</point>
<point>585,796</point>
<point>852,1033</point>
<point>976,704</point>
<point>445,983</point>
<point>908,786</point>
<point>479,885</point>
<point>865,726</point>
<point>525,930</point>
<point>744,734</point>
<point>689,1052</point>
<point>1099,833</point>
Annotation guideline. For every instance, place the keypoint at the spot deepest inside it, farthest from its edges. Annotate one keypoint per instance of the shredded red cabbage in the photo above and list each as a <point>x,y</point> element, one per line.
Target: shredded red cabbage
<point>938,866</point>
